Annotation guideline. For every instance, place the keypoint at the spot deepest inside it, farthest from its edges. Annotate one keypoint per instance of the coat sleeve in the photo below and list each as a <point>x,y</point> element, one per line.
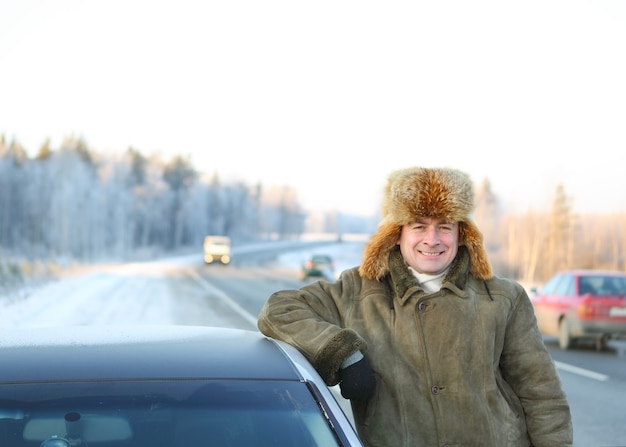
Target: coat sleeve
<point>310,319</point>
<point>528,367</point>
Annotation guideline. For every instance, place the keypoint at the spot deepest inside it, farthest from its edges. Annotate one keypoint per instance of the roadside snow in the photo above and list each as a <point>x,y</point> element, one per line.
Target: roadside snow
<point>127,294</point>
<point>147,293</point>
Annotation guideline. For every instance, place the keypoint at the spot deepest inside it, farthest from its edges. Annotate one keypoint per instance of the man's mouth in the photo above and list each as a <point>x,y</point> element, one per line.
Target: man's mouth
<point>433,254</point>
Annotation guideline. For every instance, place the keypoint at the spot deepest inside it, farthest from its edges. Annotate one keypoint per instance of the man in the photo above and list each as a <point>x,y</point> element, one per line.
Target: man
<point>430,347</point>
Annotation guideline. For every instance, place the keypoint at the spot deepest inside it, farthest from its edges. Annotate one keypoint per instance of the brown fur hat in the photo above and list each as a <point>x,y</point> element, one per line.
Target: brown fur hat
<point>425,192</point>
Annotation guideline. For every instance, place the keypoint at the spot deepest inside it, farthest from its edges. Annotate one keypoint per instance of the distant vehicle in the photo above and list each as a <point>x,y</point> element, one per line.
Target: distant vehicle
<point>318,266</point>
<point>178,386</point>
<point>217,248</point>
<point>582,305</point>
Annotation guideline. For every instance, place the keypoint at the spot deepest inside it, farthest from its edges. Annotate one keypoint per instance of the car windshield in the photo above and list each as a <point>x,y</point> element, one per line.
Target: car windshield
<point>603,285</point>
<point>170,413</point>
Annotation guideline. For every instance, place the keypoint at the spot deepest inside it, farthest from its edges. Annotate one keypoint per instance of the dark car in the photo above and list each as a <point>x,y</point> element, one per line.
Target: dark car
<point>318,266</point>
<point>582,305</point>
<point>162,386</point>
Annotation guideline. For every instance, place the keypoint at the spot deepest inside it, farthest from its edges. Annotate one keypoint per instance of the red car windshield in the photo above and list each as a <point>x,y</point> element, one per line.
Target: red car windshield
<point>603,285</point>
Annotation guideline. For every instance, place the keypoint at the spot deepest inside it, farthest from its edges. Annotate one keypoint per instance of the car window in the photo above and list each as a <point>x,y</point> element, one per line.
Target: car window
<point>589,284</point>
<point>567,286</point>
<point>172,413</point>
<point>550,288</point>
<point>603,285</point>
<point>616,285</point>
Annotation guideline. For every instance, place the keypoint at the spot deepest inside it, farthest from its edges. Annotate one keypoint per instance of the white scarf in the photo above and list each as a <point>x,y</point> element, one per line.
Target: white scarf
<point>430,283</point>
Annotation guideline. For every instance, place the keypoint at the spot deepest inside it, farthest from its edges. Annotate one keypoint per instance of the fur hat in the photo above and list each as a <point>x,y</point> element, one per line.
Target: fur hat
<point>425,192</point>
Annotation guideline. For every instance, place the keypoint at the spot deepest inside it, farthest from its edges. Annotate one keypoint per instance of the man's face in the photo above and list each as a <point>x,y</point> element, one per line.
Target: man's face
<point>429,245</point>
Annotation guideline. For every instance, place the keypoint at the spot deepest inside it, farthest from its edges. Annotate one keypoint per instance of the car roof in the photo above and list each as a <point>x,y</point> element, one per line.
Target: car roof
<point>592,272</point>
<point>141,352</point>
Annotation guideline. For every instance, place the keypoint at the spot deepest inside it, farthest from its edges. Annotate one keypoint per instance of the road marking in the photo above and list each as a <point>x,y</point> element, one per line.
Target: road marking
<point>225,298</point>
<point>582,372</point>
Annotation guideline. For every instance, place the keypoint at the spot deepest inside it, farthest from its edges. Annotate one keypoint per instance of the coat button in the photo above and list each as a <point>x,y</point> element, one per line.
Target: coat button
<point>434,389</point>
<point>422,306</point>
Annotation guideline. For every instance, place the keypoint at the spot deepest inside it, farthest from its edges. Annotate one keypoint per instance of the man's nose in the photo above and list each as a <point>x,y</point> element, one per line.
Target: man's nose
<point>431,236</point>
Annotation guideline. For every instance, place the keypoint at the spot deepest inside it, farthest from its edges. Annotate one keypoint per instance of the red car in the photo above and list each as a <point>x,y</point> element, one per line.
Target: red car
<point>583,305</point>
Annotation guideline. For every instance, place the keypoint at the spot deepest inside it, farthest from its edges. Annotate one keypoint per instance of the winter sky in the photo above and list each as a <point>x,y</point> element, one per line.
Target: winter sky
<point>330,96</point>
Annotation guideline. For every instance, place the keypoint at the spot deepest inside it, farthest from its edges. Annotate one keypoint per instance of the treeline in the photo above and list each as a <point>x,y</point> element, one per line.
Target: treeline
<point>72,204</point>
<point>534,245</point>
<point>78,205</point>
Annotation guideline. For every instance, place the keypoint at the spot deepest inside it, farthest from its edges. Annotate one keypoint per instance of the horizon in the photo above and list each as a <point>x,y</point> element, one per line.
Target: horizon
<point>507,206</point>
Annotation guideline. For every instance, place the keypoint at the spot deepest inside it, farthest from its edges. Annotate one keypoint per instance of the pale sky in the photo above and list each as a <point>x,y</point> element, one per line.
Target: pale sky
<point>330,96</point>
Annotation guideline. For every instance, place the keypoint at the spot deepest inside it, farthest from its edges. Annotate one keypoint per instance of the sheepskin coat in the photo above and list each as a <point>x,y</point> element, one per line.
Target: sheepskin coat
<point>464,366</point>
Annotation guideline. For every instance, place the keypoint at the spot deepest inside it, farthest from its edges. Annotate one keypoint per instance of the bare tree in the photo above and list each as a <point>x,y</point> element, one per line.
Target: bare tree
<point>179,174</point>
<point>488,217</point>
<point>560,233</point>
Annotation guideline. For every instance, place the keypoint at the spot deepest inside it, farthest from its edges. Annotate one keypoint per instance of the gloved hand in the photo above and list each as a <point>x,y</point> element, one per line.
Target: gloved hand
<point>357,382</point>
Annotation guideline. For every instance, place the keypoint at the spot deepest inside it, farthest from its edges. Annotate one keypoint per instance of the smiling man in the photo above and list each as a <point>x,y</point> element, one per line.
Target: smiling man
<point>430,347</point>
<point>429,245</point>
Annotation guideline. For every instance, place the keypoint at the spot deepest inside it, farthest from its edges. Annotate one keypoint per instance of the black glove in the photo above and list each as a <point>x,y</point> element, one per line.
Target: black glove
<point>357,381</point>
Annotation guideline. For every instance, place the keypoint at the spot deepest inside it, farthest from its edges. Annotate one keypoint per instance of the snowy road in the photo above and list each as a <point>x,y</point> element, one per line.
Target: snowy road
<point>171,291</point>
<point>183,291</point>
